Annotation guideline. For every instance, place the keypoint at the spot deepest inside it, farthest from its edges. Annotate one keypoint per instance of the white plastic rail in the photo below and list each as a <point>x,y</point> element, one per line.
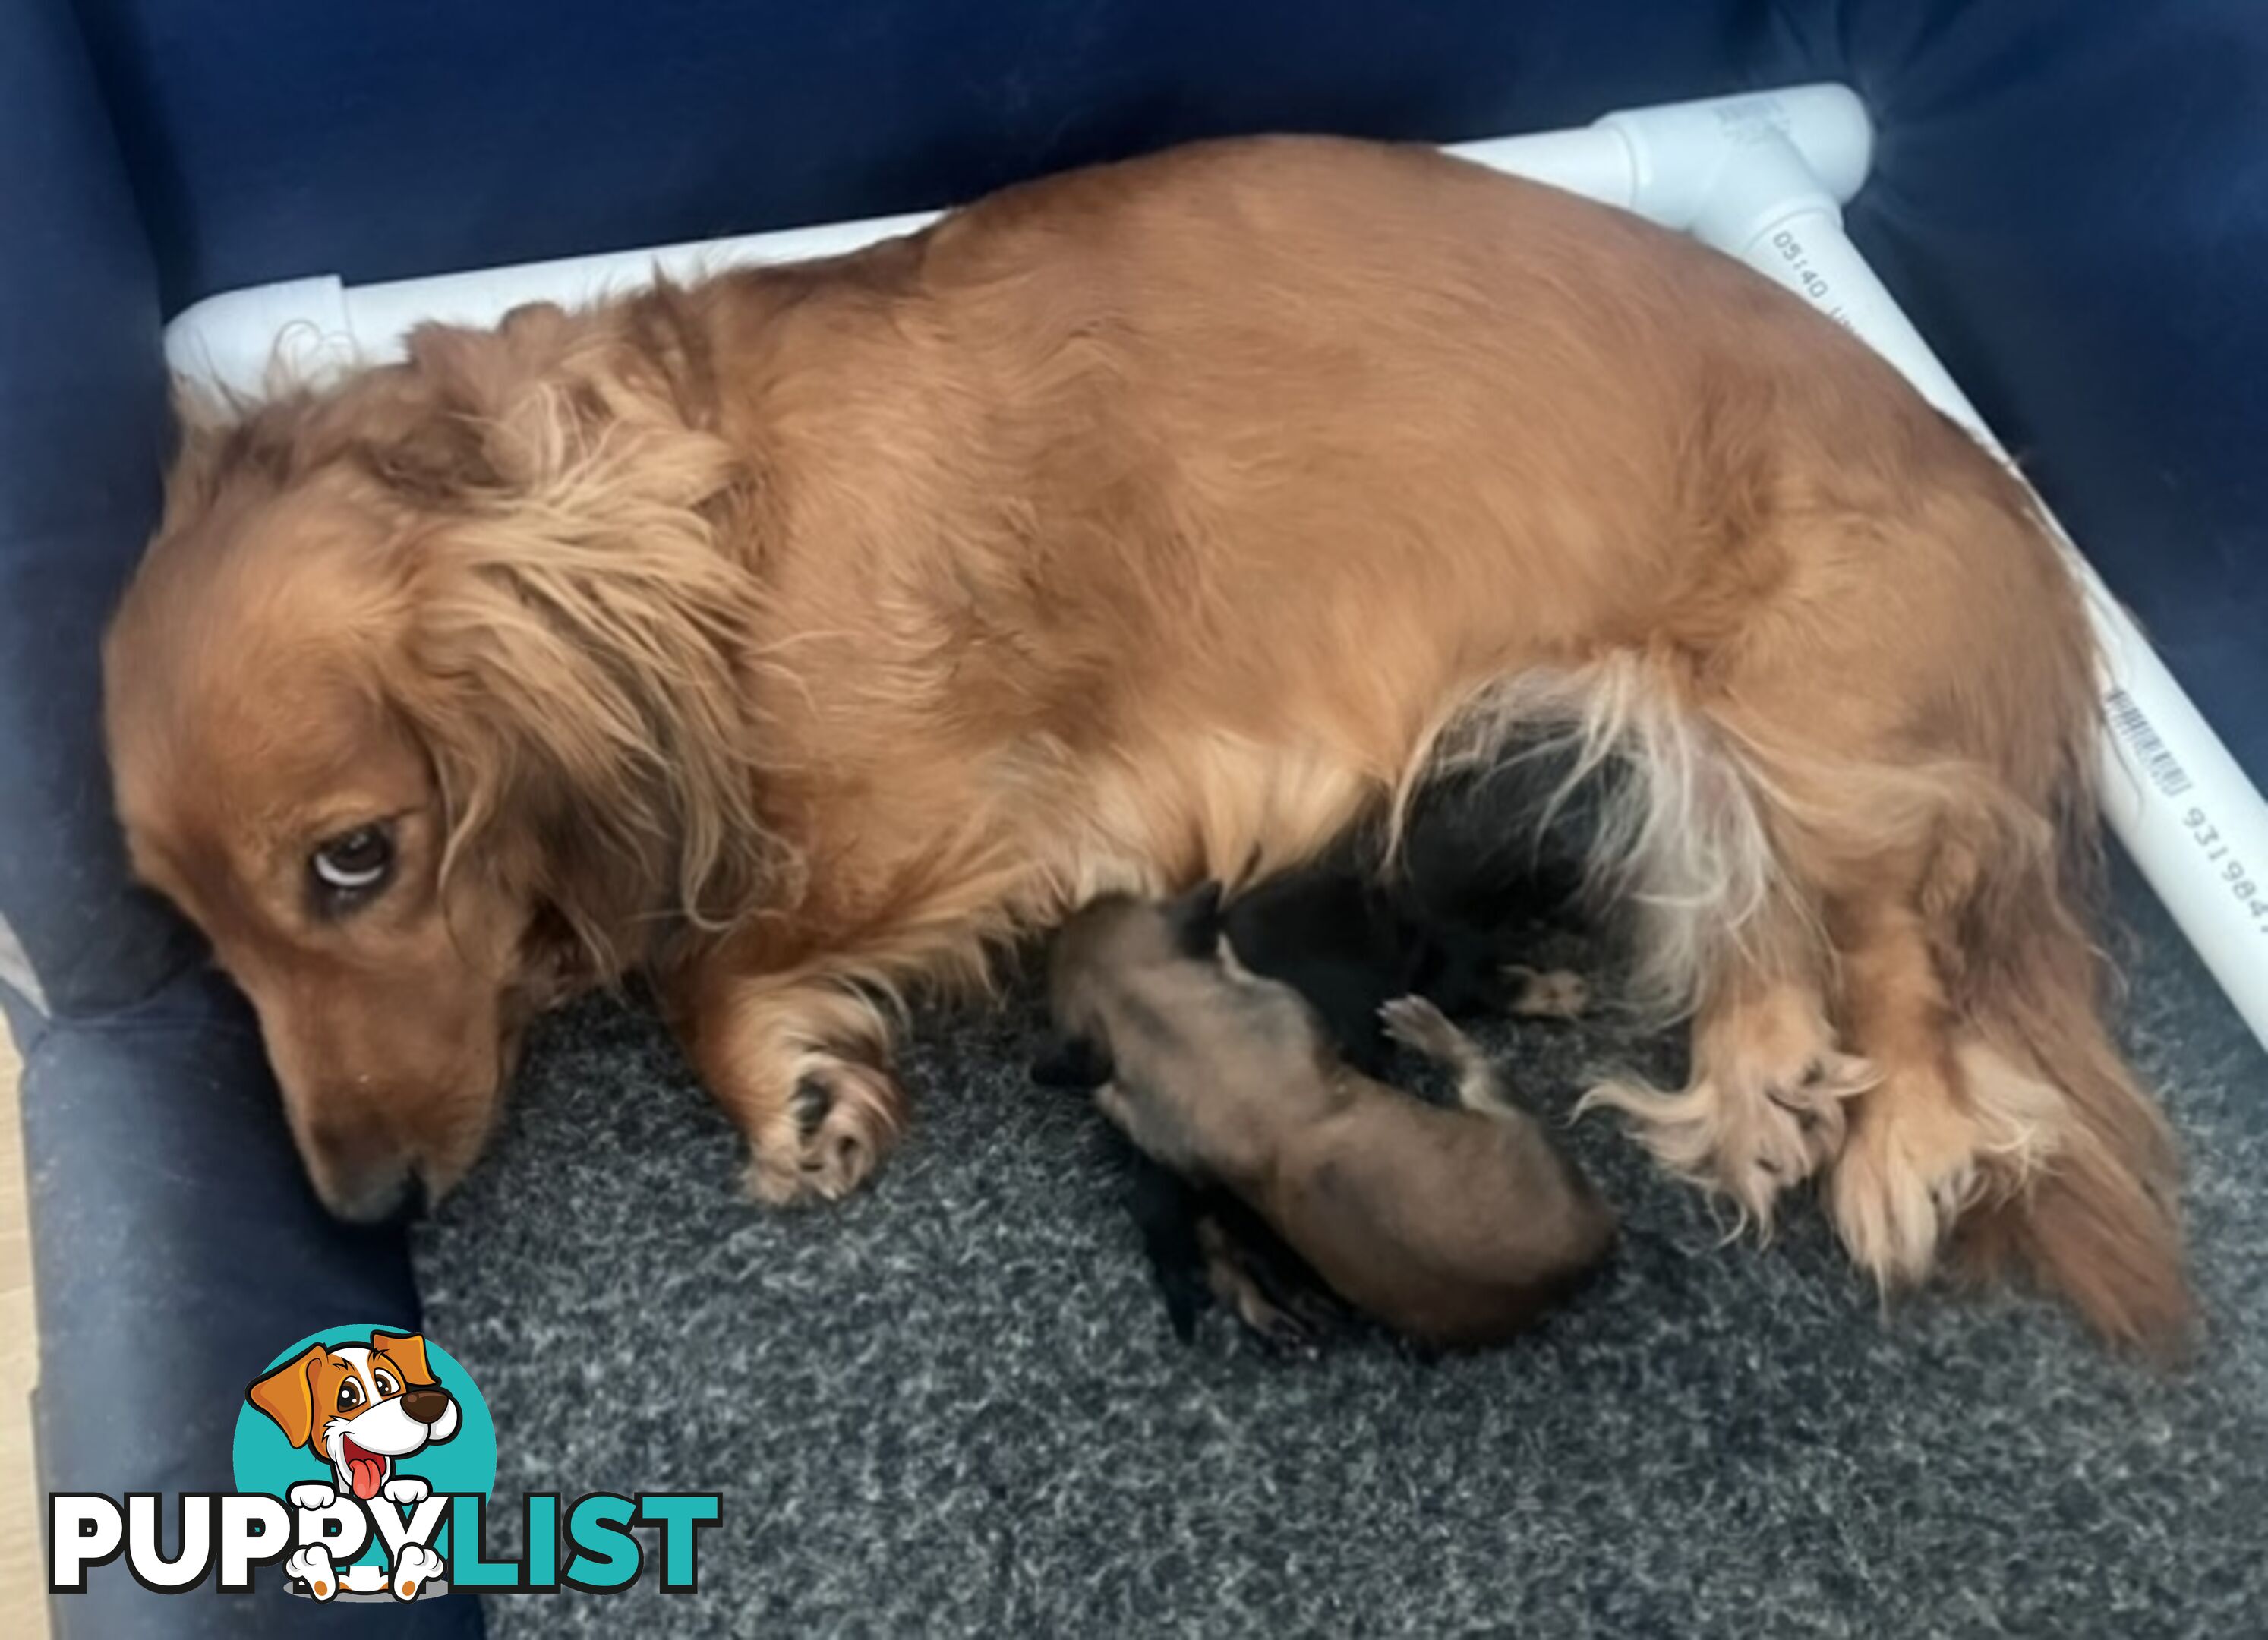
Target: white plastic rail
<point>1761,178</point>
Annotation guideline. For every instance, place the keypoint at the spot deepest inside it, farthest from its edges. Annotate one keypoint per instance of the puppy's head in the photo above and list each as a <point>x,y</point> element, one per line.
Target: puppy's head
<point>360,1407</point>
<point>1102,944</point>
<point>1119,933</point>
<point>424,707</point>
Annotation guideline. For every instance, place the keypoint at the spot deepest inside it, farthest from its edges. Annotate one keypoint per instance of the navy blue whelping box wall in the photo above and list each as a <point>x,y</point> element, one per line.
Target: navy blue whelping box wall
<point>2071,198</point>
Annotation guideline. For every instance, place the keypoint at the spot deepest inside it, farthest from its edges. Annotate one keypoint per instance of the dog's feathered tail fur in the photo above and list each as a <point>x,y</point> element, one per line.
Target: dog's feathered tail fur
<point>2097,1216</point>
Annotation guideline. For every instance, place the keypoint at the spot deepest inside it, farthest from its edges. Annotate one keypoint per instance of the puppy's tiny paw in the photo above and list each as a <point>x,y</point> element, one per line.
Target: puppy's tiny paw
<point>312,1566</point>
<point>407,1489</point>
<point>1318,1314</point>
<point>1417,1024</point>
<point>1295,1319</point>
<point>1552,994</point>
<point>414,1568</point>
<point>1281,1330</point>
<point>1292,1331</point>
<point>312,1494</point>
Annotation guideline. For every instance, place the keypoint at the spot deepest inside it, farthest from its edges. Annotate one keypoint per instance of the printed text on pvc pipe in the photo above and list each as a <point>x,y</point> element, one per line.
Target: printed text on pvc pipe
<point>1814,283</point>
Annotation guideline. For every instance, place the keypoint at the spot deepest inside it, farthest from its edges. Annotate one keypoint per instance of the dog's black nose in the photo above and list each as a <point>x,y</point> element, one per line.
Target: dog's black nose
<point>425,1405</point>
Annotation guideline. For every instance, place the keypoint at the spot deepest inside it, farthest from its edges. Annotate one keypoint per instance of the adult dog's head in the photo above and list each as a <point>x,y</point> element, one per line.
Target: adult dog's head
<point>427,705</point>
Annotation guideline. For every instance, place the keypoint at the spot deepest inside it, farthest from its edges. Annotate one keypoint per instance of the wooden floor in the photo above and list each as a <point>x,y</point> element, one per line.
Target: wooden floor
<point>23,1598</point>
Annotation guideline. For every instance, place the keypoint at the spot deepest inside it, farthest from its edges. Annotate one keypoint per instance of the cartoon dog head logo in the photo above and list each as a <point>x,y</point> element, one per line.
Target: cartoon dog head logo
<point>359,1407</point>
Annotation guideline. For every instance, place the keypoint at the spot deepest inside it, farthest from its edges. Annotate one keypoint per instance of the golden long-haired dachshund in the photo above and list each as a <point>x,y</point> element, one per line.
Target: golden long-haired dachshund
<point>807,634</point>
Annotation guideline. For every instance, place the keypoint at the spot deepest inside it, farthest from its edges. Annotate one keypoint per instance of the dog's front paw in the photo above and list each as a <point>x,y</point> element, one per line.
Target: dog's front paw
<point>312,1494</point>
<point>414,1568</point>
<point>407,1490</point>
<point>312,1566</point>
<point>841,1119</point>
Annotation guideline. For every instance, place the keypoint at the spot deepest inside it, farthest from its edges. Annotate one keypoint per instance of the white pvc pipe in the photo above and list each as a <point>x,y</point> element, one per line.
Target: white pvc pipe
<point>1759,177</point>
<point>2195,824</point>
<point>301,329</point>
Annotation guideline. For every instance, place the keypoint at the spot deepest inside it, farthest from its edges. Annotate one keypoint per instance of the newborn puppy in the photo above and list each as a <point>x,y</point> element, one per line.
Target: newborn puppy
<point>1349,945</point>
<point>1486,857</point>
<point>1457,1227</point>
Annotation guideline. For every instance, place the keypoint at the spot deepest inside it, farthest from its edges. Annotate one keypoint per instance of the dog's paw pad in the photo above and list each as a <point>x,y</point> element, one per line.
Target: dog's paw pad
<point>414,1568</point>
<point>313,1566</point>
<point>810,1104</point>
<point>842,1117</point>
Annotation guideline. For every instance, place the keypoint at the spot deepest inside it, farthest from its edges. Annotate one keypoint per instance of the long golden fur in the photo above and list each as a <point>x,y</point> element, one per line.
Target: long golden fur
<point>804,635</point>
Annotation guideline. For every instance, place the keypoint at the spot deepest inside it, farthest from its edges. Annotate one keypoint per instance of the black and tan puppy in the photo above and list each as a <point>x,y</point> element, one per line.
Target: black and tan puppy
<point>1488,859</point>
<point>1456,1227</point>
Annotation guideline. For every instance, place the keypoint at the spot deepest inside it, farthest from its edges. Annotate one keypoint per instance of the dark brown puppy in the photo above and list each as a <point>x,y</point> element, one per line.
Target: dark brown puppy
<point>1457,1227</point>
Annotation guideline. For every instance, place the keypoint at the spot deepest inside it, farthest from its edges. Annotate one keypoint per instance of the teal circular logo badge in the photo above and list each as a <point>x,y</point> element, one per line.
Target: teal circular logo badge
<point>370,1413</point>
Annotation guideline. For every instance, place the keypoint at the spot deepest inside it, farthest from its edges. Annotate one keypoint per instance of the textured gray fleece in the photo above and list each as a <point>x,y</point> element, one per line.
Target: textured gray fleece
<point>953,1404</point>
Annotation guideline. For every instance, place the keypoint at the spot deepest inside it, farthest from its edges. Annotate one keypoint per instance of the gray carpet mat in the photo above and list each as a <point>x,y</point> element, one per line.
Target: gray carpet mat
<point>953,1405</point>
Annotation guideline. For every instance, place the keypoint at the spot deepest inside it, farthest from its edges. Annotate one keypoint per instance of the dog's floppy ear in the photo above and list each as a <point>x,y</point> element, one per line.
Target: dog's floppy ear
<point>406,1351</point>
<point>1196,919</point>
<point>1076,1063</point>
<point>576,646</point>
<point>288,1395</point>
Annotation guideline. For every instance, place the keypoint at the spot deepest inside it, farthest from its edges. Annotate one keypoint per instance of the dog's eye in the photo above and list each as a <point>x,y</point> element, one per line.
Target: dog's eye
<point>350,1396</point>
<point>384,1380</point>
<point>352,865</point>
